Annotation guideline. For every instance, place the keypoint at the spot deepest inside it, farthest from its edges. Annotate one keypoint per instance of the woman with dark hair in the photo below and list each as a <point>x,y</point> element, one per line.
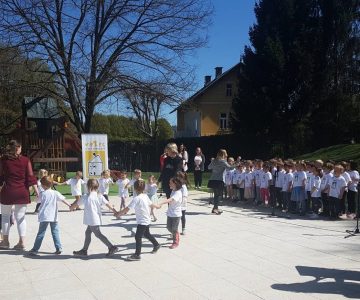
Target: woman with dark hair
<point>199,161</point>
<point>216,182</point>
<point>16,176</point>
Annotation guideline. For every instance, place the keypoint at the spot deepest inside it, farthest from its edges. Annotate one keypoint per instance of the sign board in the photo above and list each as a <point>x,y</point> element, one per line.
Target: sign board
<point>94,154</point>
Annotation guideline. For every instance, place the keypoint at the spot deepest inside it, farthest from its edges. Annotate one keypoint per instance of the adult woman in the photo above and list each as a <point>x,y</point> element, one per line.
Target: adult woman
<point>172,164</point>
<point>216,181</point>
<point>199,161</point>
<point>16,176</point>
<point>185,156</point>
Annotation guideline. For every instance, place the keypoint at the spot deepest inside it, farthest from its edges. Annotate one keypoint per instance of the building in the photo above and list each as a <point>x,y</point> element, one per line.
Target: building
<point>207,112</point>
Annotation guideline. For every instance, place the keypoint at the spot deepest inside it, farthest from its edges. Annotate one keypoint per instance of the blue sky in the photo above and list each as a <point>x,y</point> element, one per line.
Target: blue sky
<point>228,35</point>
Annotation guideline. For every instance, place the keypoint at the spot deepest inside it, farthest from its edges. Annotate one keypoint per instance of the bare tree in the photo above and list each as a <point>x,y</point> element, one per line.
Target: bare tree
<point>97,48</point>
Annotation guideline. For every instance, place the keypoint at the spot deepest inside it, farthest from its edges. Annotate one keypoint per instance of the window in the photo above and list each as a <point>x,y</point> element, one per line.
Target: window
<point>223,121</point>
<point>228,89</point>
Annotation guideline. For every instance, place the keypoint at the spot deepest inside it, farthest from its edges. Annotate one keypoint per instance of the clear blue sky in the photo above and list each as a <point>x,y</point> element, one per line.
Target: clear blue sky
<point>228,35</point>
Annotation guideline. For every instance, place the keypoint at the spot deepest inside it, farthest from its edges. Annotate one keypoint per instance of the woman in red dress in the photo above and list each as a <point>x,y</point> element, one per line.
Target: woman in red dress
<point>16,176</point>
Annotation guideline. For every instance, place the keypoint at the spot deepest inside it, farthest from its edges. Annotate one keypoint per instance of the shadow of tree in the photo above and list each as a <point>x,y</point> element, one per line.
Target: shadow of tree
<point>345,282</point>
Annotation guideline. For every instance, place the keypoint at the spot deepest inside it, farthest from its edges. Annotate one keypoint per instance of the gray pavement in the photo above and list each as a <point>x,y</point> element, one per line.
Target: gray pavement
<point>242,254</point>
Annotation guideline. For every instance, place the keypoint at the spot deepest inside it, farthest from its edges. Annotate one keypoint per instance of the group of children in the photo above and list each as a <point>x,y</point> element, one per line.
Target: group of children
<point>316,188</point>
<point>144,201</point>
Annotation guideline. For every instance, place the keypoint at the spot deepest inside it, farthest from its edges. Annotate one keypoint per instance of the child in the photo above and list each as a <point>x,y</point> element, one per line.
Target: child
<point>184,192</point>
<point>258,173</point>
<point>137,176</point>
<point>325,187</point>
<point>353,189</point>
<point>151,191</point>
<point>265,184</point>
<point>76,186</point>
<point>308,184</point>
<point>104,184</point>
<point>48,214</point>
<point>141,204</point>
<point>287,186</point>
<point>337,188</point>
<point>122,183</point>
<point>236,175</point>
<point>228,180</point>
<point>315,191</point>
<point>41,174</point>
<point>280,174</point>
<point>92,217</point>
<point>298,191</point>
<point>174,210</point>
<point>249,182</point>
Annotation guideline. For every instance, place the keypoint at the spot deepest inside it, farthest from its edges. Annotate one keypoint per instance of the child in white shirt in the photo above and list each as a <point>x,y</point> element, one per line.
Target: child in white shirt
<point>76,185</point>
<point>353,188</point>
<point>174,210</point>
<point>41,174</point>
<point>228,179</point>
<point>123,183</point>
<point>337,188</point>
<point>104,183</point>
<point>151,190</point>
<point>258,173</point>
<point>298,191</point>
<point>316,191</point>
<point>184,192</point>
<point>325,187</point>
<point>92,217</point>
<point>249,182</point>
<point>265,180</point>
<point>287,186</point>
<point>48,214</point>
<point>142,205</point>
<point>137,176</point>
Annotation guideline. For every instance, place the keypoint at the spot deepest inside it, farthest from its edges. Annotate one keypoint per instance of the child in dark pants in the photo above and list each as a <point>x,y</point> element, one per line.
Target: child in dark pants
<point>184,191</point>
<point>142,206</point>
<point>174,210</point>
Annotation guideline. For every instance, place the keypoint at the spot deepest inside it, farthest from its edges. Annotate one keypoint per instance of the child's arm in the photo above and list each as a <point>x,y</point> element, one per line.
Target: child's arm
<point>66,203</point>
<point>111,208</point>
<point>155,206</point>
<point>165,201</point>
<point>124,211</point>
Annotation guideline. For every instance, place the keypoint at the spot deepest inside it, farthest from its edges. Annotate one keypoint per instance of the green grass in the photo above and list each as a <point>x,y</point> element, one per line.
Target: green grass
<point>336,153</point>
<point>65,189</point>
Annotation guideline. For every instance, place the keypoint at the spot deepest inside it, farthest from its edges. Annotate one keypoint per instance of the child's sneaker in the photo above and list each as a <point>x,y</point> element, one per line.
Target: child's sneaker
<point>183,231</point>
<point>133,257</point>
<point>155,249</point>
<point>174,245</point>
<point>58,251</point>
<point>112,250</point>
<point>32,252</point>
<point>81,252</point>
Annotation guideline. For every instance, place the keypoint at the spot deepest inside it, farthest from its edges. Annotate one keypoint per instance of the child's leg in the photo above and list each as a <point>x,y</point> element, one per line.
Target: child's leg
<point>140,230</point>
<point>87,241</point>
<point>183,220</point>
<point>40,236</point>
<point>122,204</point>
<point>77,198</point>
<point>37,207</point>
<point>55,235</point>
<point>100,236</point>
<point>150,237</point>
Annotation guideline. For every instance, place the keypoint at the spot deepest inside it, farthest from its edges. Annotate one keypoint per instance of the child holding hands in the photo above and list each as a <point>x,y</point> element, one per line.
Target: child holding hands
<point>142,205</point>
<point>92,217</point>
<point>48,214</point>
<point>174,210</point>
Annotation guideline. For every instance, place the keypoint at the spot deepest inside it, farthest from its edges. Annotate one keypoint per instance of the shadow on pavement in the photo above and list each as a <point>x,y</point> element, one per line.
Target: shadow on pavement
<point>343,282</point>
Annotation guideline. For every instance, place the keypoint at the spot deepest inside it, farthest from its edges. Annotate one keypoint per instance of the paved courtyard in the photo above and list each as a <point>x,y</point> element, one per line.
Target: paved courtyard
<point>242,254</point>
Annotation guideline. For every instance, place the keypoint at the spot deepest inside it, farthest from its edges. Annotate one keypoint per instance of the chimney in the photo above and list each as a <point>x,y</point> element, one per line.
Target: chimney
<point>207,80</point>
<point>218,72</point>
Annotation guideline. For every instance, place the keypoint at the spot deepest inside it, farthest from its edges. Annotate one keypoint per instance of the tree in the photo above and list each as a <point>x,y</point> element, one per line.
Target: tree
<point>146,102</point>
<point>97,48</point>
<point>165,130</point>
<point>293,83</point>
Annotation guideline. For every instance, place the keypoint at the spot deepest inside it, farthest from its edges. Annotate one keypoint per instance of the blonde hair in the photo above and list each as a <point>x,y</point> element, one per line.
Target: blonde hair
<point>222,154</point>
<point>172,147</point>
<point>79,173</point>
<point>46,181</point>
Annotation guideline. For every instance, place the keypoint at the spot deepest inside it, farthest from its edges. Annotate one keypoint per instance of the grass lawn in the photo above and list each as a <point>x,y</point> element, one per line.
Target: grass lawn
<point>65,189</point>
